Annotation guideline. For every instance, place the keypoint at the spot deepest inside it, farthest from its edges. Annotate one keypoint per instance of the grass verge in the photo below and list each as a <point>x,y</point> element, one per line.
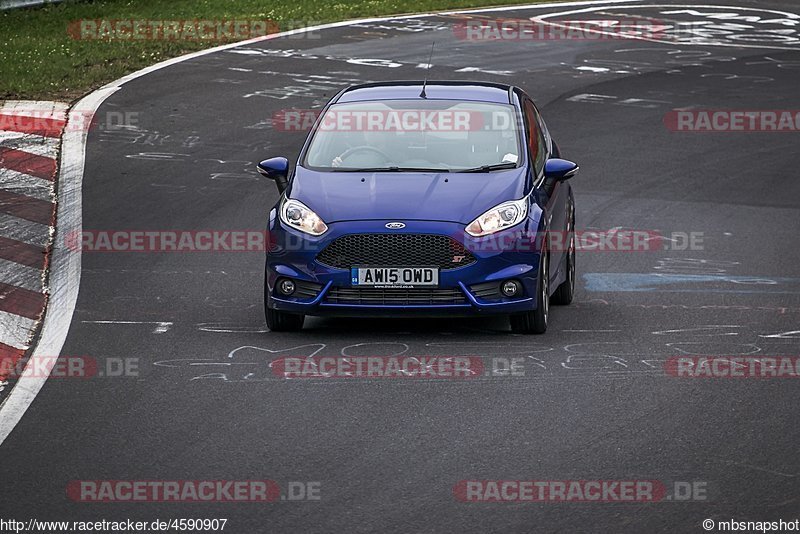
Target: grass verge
<point>41,60</point>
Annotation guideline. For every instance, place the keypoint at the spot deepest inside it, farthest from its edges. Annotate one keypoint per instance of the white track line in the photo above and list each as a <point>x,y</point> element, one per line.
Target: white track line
<point>534,6</point>
<point>25,184</point>
<point>65,266</point>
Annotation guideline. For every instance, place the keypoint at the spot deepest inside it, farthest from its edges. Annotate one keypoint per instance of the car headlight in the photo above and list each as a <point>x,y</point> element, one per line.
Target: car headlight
<point>499,218</point>
<point>300,217</point>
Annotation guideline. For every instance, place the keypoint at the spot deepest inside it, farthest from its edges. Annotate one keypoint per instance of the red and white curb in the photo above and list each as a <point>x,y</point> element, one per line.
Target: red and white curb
<point>30,135</point>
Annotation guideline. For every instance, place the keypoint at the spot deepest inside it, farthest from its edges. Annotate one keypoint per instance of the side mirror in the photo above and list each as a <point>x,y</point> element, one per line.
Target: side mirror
<point>560,169</point>
<point>276,169</point>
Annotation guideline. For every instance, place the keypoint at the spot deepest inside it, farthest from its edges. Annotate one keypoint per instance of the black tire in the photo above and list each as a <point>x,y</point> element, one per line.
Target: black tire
<point>278,321</point>
<point>566,290</point>
<point>535,322</point>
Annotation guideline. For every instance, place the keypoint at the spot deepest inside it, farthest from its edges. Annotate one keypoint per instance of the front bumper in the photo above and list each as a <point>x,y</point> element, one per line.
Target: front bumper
<point>507,255</point>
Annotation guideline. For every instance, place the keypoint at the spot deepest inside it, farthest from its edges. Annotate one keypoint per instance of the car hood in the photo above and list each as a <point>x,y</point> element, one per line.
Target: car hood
<point>450,197</point>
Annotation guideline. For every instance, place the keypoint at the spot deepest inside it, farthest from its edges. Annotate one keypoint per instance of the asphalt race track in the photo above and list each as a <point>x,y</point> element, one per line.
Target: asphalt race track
<point>589,400</point>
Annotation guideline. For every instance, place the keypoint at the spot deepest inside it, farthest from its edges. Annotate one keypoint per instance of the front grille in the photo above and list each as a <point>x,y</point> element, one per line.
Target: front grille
<point>396,250</point>
<point>394,295</point>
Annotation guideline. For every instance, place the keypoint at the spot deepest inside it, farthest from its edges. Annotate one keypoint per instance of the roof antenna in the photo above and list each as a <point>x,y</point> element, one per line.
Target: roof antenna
<point>430,57</point>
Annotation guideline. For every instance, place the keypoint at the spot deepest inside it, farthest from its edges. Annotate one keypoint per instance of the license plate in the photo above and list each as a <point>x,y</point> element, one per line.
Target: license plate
<point>395,276</point>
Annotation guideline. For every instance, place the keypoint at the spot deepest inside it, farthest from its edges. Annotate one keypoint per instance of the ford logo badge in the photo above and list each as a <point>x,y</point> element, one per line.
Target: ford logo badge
<point>395,225</point>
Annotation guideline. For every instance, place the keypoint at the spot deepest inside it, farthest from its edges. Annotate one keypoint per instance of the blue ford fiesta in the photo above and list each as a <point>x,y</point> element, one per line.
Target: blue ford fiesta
<point>422,198</point>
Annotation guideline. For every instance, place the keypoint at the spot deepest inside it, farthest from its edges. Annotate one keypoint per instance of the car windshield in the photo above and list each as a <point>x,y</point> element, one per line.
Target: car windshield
<point>415,135</point>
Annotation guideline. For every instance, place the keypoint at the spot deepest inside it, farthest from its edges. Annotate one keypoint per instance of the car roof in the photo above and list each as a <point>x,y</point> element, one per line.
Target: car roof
<point>434,90</point>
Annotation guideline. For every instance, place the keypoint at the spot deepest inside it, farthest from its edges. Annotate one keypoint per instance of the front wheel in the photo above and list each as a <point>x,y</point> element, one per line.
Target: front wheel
<point>278,321</point>
<point>535,322</point>
<point>564,292</point>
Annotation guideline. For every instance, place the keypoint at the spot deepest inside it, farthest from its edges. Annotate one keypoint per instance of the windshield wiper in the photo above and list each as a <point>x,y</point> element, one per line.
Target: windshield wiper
<point>389,169</point>
<point>494,167</point>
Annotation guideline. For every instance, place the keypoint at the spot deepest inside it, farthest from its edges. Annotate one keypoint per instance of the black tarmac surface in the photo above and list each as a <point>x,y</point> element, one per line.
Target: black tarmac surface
<point>592,400</point>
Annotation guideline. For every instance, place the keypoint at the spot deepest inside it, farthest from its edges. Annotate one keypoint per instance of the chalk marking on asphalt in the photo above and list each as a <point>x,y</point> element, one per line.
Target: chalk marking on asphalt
<point>700,329</point>
<point>319,347</point>
<point>752,348</point>
<point>593,69</point>
<point>65,267</point>
<point>509,348</point>
<point>605,348</point>
<point>402,346</point>
<point>733,44</point>
<point>219,328</point>
<point>592,331</point>
<point>792,334</point>
<point>160,326</point>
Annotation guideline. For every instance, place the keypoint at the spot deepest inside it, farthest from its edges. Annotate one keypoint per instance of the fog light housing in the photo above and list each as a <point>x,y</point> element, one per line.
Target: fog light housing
<point>286,287</point>
<point>510,288</point>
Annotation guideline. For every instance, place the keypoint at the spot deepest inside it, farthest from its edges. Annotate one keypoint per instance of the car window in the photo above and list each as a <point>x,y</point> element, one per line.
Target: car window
<point>415,134</point>
<point>536,141</point>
